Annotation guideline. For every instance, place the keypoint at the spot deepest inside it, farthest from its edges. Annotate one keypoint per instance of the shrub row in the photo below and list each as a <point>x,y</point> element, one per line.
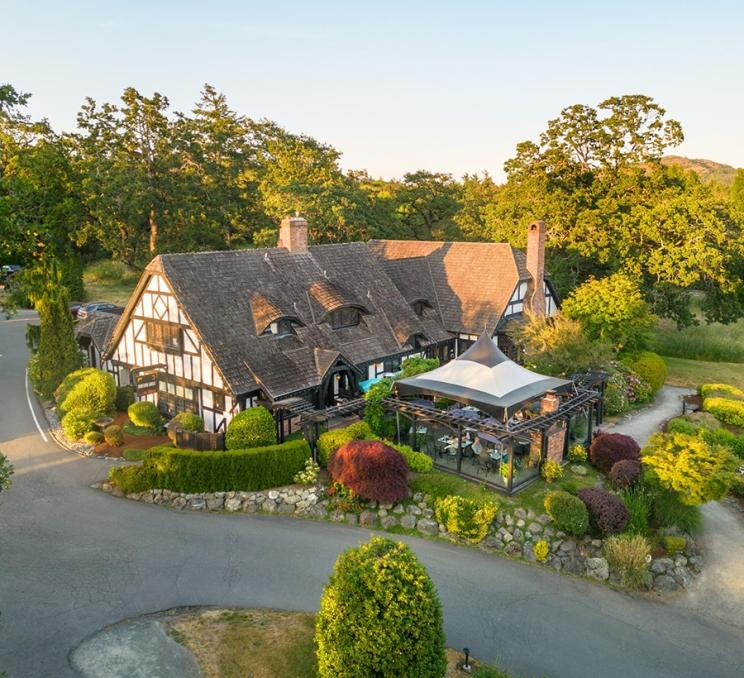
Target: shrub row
<point>721,390</point>
<point>725,409</point>
<point>254,469</point>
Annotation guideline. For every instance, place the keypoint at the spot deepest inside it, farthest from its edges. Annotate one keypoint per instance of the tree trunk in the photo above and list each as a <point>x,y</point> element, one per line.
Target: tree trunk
<point>153,232</point>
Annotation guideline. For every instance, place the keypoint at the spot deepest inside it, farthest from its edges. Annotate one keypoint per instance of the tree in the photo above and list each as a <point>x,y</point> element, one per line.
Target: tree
<point>380,616</point>
<point>427,204</point>
<point>737,191</point>
<point>696,470</point>
<point>557,346</point>
<point>6,470</point>
<point>612,310</point>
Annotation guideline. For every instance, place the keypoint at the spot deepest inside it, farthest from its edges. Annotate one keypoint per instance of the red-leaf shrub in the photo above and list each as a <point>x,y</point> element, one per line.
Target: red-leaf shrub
<point>371,469</point>
<point>624,473</point>
<point>607,513</point>
<point>609,448</point>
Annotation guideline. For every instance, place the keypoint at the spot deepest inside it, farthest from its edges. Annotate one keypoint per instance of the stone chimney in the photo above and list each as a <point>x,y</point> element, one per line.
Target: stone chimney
<point>550,402</point>
<point>293,234</point>
<point>536,267</point>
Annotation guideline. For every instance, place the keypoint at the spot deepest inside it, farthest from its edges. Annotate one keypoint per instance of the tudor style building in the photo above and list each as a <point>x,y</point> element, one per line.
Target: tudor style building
<point>215,332</point>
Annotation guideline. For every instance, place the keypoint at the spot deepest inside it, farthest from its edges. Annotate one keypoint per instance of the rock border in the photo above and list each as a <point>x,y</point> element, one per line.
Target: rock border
<point>513,534</point>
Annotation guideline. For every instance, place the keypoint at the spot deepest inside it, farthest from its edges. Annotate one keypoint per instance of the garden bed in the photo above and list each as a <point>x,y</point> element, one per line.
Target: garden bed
<point>141,440</point>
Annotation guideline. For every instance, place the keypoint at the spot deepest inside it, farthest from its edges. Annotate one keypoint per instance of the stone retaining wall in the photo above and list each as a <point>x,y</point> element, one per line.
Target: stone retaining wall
<point>512,533</point>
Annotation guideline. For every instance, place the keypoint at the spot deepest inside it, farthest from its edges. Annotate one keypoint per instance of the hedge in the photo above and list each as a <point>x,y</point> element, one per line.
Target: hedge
<point>250,470</point>
<point>726,410</point>
<point>87,388</point>
<point>722,436</point>
<point>124,398</point>
<point>330,441</point>
<point>651,368</point>
<point>254,427</point>
<point>418,462</point>
<point>145,414</point>
<point>721,390</point>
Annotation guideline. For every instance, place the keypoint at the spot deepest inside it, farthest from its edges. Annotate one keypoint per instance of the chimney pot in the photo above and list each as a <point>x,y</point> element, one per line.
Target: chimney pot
<point>293,234</point>
<point>536,266</point>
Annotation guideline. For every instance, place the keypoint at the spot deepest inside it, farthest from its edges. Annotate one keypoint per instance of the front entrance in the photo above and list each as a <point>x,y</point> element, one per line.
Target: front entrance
<point>340,384</point>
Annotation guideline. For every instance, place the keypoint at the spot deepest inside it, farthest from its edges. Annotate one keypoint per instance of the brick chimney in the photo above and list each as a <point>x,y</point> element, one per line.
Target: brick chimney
<point>550,402</point>
<point>293,234</point>
<point>536,267</point>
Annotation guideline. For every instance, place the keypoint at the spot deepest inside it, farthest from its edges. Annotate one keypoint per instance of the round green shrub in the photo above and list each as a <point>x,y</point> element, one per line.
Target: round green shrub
<point>130,479</point>
<point>330,441</point>
<point>145,414</point>
<point>89,388</point>
<point>76,423</point>
<point>124,398</point>
<point>113,435</point>
<point>380,616</point>
<point>567,511</point>
<point>93,438</point>
<point>651,368</point>
<point>254,427</point>
<point>189,421</point>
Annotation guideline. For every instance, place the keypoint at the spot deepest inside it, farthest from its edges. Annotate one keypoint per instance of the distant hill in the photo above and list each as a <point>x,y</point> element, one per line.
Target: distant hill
<point>706,169</point>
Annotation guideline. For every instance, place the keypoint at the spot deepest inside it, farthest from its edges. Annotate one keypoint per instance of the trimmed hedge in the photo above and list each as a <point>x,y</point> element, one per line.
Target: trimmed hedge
<point>609,448</point>
<point>78,422</point>
<point>624,473</point>
<point>124,398</point>
<point>721,390</point>
<point>145,414</point>
<point>113,435</point>
<point>89,388</point>
<point>371,469</point>
<point>254,427</point>
<point>607,513</point>
<point>725,409</point>
<point>250,470</point>
<point>651,368</point>
<point>418,462</point>
<point>568,512</point>
<point>190,422</point>
<point>93,438</point>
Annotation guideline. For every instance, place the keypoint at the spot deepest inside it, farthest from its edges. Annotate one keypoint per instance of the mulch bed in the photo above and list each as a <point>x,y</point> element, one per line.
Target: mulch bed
<point>130,441</point>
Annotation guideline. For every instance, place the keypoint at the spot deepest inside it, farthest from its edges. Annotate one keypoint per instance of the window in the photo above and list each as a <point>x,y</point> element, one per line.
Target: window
<point>344,317</point>
<point>280,328</point>
<point>516,304</point>
<point>419,306</point>
<point>162,337</point>
<point>176,397</point>
<point>218,401</point>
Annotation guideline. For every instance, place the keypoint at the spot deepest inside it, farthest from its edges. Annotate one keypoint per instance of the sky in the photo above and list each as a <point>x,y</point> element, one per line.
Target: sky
<point>395,86</point>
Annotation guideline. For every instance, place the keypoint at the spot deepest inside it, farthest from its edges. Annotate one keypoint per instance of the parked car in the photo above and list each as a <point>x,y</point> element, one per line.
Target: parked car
<point>7,271</point>
<point>75,307</point>
<point>97,307</point>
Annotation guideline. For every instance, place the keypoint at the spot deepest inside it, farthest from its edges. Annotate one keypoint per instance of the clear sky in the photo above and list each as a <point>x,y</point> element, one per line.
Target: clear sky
<point>395,86</point>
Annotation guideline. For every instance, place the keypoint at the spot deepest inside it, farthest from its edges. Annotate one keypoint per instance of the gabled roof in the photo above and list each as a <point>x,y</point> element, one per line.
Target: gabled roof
<point>99,327</point>
<point>469,284</point>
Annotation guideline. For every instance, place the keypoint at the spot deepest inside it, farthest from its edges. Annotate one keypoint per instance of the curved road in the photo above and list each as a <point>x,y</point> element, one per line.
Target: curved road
<point>74,560</point>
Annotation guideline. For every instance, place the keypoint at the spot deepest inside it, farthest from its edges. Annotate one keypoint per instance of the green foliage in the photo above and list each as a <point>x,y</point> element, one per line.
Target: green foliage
<point>308,475</point>
<point>726,410</point>
<point>558,346</point>
<point>737,486</point>
<point>87,388</point>
<point>329,441</point>
<point>412,366</point>
<point>567,511</point>
<point>651,368</point>
<point>129,479</point>
<point>626,554</point>
<point>144,414</point>
<point>133,454</point>
<point>722,436</point>
<point>93,438</point>
<point>106,270</point>
<point>6,470</point>
<point>551,470</point>
<point>541,549</point>
<point>616,394</point>
<point>113,435</point>
<point>721,391</point>
<point>668,511</point>
<point>418,462</point>
<point>249,470</point>
<point>612,310</point>
<point>189,421</point>
<point>124,398</point>
<point>76,423</point>
<point>687,465</point>
<point>439,485</point>
<point>465,517</point>
<point>674,544</point>
<point>639,501</point>
<point>254,427</point>
<point>681,425</point>
<point>380,616</point>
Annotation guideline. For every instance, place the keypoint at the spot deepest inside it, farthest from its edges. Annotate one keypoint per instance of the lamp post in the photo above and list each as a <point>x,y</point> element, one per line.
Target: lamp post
<point>465,665</point>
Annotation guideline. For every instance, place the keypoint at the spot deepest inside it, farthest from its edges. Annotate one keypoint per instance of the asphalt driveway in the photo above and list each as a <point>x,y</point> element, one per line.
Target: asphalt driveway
<point>75,560</point>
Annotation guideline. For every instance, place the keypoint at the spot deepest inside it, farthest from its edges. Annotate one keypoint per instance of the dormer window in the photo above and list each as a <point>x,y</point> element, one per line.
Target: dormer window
<point>281,327</point>
<point>419,306</point>
<point>344,317</point>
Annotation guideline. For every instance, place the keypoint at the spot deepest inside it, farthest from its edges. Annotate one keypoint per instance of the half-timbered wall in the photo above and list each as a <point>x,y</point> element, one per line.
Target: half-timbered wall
<point>187,364</point>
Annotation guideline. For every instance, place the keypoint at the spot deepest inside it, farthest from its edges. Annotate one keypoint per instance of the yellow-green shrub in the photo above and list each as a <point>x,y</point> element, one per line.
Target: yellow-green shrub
<point>551,470</point>
<point>93,438</point>
<point>465,517</point>
<point>577,453</point>
<point>726,410</point>
<point>674,544</point>
<point>77,422</point>
<point>113,435</point>
<point>651,368</point>
<point>722,390</point>
<point>87,388</point>
<point>144,414</point>
<point>541,549</point>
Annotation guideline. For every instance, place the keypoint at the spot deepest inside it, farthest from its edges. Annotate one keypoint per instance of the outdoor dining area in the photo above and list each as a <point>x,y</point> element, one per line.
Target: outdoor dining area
<point>485,417</point>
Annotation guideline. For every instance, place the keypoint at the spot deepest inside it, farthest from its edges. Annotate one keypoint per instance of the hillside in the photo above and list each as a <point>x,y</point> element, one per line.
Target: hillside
<point>706,169</point>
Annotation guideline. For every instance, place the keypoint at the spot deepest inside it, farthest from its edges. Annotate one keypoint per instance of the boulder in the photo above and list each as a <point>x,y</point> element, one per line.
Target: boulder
<point>665,583</point>
<point>428,527</point>
<point>180,503</point>
<point>520,513</point>
<point>351,519</point>
<point>399,509</point>
<point>388,521</point>
<point>682,576</point>
<point>535,528</point>
<point>408,521</point>
<point>492,542</point>
<point>598,568</point>
<point>285,508</point>
<point>233,504</point>
<point>578,470</point>
<point>368,519</point>
<point>215,503</point>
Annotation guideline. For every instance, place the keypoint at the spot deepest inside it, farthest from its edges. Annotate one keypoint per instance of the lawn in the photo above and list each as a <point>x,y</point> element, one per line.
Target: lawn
<point>262,644</point>
<point>109,281</point>
<point>691,373</point>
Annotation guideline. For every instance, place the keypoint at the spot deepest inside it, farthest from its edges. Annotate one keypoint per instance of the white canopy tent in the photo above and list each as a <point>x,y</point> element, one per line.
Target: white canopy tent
<point>485,378</point>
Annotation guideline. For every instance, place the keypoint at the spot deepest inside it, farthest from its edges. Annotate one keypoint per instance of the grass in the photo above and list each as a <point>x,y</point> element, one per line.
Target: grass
<point>691,373</point>
<point>109,281</point>
<point>533,496</point>
<point>265,644</point>
<point>132,454</point>
<point>144,431</point>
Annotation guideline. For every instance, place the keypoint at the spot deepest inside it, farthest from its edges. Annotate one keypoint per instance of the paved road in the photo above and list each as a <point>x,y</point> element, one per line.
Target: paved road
<point>75,560</point>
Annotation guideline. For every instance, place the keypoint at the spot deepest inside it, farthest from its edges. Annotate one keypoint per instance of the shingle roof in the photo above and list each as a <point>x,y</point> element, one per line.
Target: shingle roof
<point>229,295</point>
<point>469,284</point>
<point>99,327</point>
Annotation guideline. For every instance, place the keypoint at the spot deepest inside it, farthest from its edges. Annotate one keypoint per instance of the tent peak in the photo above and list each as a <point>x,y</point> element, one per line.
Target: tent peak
<point>484,352</point>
